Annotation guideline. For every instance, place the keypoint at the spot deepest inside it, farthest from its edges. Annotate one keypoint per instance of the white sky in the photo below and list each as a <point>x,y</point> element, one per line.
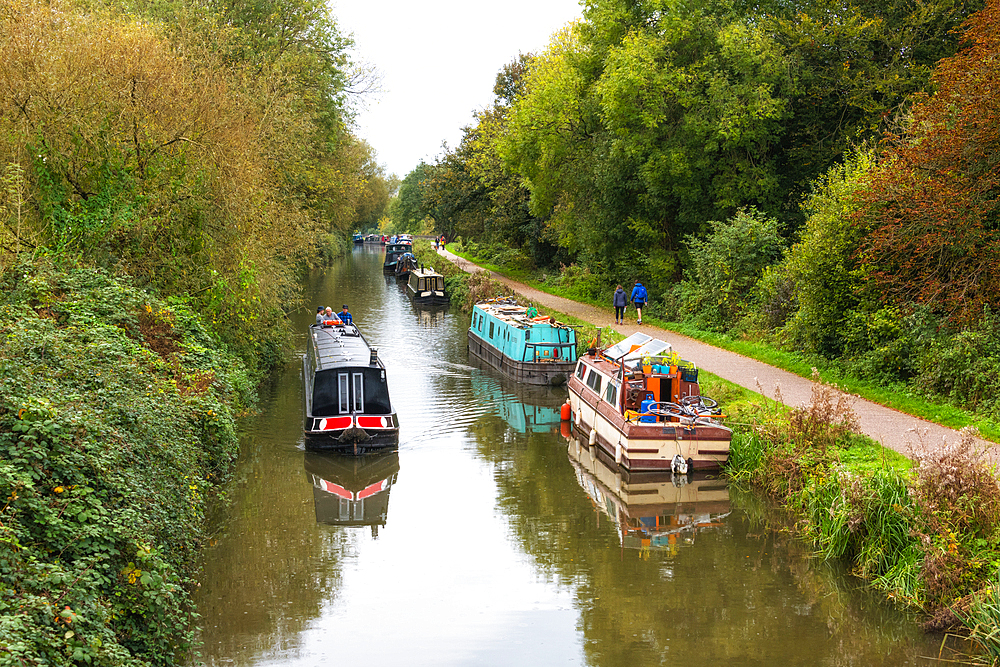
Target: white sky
<point>438,60</point>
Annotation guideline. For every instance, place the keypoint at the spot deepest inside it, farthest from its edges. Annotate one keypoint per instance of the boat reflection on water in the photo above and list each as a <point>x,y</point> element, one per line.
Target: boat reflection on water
<point>525,408</point>
<point>430,314</point>
<point>653,510</point>
<point>352,490</point>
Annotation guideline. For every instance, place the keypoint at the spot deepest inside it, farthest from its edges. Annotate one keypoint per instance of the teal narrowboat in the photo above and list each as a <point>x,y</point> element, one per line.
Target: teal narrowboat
<point>529,349</point>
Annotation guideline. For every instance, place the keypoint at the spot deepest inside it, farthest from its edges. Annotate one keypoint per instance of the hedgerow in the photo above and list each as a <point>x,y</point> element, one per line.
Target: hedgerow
<point>116,421</point>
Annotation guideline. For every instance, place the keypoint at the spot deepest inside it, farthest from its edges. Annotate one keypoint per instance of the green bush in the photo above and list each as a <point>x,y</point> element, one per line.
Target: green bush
<point>965,367</point>
<point>116,420</point>
<point>726,266</point>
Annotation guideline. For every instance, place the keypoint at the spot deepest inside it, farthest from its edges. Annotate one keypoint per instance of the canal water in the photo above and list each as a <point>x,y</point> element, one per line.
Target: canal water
<point>491,538</point>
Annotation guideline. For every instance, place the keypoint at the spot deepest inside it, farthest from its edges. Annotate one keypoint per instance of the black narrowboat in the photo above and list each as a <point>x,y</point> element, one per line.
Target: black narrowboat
<point>393,251</point>
<point>346,395</point>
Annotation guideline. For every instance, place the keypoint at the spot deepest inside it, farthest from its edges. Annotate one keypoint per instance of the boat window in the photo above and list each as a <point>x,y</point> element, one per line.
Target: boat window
<point>344,393</point>
<point>359,393</point>
<point>580,368</point>
<point>527,334</point>
<point>491,330</point>
<point>611,394</point>
<point>594,381</point>
<point>440,282</point>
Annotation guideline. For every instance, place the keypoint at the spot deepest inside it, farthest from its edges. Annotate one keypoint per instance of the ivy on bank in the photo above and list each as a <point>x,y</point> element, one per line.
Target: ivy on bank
<point>116,420</point>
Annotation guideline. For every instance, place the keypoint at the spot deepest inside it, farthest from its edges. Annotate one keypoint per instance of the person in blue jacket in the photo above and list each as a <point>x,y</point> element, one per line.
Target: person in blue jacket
<point>639,299</point>
<point>619,301</point>
<point>345,315</point>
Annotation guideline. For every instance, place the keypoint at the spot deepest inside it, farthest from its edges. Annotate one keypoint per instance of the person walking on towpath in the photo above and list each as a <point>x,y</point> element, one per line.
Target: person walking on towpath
<point>619,301</point>
<point>639,299</point>
<point>900,432</point>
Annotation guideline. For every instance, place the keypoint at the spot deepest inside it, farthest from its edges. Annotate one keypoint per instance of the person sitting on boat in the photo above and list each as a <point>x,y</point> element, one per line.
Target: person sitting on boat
<point>345,315</point>
<point>320,316</point>
<point>329,317</point>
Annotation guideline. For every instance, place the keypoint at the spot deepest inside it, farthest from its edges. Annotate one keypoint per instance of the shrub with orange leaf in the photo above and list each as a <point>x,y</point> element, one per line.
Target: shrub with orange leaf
<point>932,204</point>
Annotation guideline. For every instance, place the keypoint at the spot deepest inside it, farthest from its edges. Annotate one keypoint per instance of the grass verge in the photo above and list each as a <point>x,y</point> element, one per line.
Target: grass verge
<point>897,398</point>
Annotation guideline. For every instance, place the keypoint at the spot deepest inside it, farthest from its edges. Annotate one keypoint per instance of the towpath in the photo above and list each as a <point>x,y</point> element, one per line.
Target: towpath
<point>903,433</point>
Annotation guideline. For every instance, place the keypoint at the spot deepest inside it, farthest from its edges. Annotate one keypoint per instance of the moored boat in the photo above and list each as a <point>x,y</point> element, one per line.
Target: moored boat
<point>425,285</point>
<point>530,349</point>
<point>346,396</point>
<point>642,405</point>
<point>406,263</point>
<point>393,251</point>
<point>359,238</point>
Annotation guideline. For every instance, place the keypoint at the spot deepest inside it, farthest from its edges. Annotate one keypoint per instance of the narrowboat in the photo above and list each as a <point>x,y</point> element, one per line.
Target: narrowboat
<point>393,251</point>
<point>346,396</point>
<point>406,263</point>
<point>359,238</point>
<point>352,490</point>
<point>652,510</point>
<point>642,406</point>
<point>426,286</point>
<point>529,349</point>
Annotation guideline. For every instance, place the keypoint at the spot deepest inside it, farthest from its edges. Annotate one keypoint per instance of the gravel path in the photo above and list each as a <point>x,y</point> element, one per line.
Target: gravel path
<point>903,433</point>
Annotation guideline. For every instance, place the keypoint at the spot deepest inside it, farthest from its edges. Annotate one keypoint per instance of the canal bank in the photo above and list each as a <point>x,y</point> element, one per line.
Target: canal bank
<point>117,422</point>
<point>502,543</point>
<point>927,536</point>
<point>905,434</point>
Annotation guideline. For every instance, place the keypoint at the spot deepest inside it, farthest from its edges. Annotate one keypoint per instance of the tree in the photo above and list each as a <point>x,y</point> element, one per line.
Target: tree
<point>931,217</point>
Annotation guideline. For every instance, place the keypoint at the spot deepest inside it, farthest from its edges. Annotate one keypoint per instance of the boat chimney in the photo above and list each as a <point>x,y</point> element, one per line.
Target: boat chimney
<point>374,359</point>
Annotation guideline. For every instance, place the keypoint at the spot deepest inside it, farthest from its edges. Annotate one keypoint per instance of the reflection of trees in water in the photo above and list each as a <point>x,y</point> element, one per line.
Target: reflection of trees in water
<point>739,594</point>
<point>273,567</point>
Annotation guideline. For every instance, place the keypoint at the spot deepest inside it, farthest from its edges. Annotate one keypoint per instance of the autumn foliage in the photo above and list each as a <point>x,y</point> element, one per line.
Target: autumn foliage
<point>933,202</point>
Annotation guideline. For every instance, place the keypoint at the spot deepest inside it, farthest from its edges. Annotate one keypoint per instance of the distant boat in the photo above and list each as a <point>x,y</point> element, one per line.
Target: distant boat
<point>426,286</point>
<point>642,405</point>
<point>406,263</point>
<point>347,406</point>
<point>393,251</point>
<point>533,350</point>
<point>359,238</point>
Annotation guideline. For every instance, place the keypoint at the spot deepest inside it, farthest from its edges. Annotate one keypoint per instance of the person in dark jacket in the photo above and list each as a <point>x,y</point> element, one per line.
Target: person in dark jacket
<point>619,301</point>
<point>639,299</point>
<point>345,315</point>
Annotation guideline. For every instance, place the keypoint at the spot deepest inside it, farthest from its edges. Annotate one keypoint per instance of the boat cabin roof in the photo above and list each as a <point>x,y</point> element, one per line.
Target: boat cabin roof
<point>338,346</point>
<point>424,273</point>
<point>515,315</point>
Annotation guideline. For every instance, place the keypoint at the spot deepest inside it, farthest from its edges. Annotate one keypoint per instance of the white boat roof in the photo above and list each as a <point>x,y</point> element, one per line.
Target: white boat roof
<point>645,345</point>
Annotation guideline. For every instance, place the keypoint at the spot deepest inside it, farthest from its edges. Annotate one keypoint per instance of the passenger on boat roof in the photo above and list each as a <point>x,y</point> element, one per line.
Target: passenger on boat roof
<point>319,315</point>
<point>345,315</point>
